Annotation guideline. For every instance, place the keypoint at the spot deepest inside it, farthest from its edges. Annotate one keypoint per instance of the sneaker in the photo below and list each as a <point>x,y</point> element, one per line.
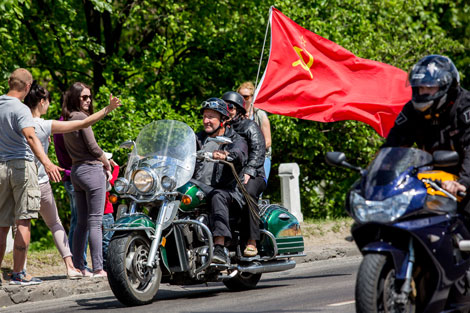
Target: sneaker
<point>23,279</point>
<point>220,255</point>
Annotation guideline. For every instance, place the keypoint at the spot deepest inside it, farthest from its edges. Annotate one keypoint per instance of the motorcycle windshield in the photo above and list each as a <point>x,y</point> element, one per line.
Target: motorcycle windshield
<point>391,162</point>
<point>169,148</point>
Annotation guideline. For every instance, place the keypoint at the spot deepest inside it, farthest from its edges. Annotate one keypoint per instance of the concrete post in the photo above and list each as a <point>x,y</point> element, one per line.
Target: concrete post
<point>290,191</point>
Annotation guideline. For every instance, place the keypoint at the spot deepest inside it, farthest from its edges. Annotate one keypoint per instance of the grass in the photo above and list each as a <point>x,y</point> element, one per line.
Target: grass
<point>39,263</point>
<point>324,227</point>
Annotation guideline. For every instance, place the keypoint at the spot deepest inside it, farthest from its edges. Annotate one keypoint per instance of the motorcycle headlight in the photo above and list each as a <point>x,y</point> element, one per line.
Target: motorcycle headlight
<point>168,183</point>
<point>143,180</point>
<point>120,185</point>
<point>383,211</point>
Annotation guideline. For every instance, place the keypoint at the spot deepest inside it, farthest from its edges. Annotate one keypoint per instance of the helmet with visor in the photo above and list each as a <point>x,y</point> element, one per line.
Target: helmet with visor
<point>432,79</point>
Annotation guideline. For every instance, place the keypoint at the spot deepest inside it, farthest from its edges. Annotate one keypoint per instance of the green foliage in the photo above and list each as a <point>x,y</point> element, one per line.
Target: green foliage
<point>162,58</point>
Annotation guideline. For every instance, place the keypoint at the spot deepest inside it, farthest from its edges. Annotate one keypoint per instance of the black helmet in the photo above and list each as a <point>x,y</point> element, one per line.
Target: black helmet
<point>217,105</point>
<point>236,99</point>
<point>433,71</point>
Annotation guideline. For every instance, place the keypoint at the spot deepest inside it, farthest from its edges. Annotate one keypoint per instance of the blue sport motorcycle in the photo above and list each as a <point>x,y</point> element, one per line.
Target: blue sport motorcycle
<point>414,241</point>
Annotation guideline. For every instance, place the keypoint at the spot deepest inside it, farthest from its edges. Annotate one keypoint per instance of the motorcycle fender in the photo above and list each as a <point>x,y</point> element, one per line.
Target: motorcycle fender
<point>399,257</point>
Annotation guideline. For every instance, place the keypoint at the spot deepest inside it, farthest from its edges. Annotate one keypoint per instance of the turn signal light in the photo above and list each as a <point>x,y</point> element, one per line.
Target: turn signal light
<point>186,200</point>
<point>113,199</point>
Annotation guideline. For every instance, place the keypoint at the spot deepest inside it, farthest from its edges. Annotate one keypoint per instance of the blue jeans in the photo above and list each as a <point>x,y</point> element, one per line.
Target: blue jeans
<point>267,168</point>
<point>73,218</point>
<point>108,221</point>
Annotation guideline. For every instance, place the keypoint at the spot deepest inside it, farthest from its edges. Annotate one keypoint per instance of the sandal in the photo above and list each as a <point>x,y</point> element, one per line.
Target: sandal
<point>86,273</point>
<point>250,251</point>
<point>74,274</point>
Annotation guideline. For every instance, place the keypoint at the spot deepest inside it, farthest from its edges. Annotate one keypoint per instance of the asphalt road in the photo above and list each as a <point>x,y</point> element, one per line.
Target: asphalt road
<point>323,286</point>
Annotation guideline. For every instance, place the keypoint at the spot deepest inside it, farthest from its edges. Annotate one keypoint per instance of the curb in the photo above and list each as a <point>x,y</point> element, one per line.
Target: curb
<point>55,287</point>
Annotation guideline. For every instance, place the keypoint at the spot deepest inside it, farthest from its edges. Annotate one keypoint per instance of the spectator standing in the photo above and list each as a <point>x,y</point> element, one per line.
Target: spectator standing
<point>38,101</point>
<point>108,218</point>
<point>19,189</point>
<point>65,161</point>
<point>247,90</point>
<point>90,170</point>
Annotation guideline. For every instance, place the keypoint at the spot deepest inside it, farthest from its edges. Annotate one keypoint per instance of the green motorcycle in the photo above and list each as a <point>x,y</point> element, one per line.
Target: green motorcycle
<point>162,234</point>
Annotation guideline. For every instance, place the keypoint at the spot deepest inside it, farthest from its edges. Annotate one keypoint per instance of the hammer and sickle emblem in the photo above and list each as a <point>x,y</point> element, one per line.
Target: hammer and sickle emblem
<point>305,65</point>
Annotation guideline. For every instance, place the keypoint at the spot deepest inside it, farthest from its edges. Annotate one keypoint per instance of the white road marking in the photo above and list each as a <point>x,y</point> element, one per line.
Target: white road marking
<point>342,303</point>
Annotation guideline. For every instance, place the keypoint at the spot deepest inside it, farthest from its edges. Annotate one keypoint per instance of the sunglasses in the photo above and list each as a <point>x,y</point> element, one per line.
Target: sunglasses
<point>246,97</point>
<point>86,97</point>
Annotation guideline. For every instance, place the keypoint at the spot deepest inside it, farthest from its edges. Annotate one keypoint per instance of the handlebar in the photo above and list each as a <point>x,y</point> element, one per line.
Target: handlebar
<point>437,185</point>
<point>208,156</point>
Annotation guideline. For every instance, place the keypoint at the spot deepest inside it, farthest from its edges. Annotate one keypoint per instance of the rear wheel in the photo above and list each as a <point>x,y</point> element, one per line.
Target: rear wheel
<point>243,281</point>
<point>376,289</point>
<point>131,281</point>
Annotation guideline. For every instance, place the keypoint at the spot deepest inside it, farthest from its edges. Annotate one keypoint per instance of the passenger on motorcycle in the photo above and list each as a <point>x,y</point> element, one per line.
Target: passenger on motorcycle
<point>437,117</point>
<point>225,194</point>
<point>253,172</point>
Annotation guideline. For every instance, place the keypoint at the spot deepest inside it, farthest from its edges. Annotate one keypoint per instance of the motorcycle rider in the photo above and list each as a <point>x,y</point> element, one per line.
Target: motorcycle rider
<point>437,117</point>
<point>253,172</point>
<point>225,194</point>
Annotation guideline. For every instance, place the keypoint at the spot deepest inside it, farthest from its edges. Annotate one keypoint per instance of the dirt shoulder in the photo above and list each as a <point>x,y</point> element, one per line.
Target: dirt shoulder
<point>319,236</point>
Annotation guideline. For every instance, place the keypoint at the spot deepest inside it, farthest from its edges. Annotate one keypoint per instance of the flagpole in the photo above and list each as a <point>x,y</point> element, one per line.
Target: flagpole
<point>262,52</point>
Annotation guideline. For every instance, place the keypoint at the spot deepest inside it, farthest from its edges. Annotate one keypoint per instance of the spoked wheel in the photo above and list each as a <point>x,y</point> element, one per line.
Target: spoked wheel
<point>376,290</point>
<point>132,282</point>
<point>243,281</point>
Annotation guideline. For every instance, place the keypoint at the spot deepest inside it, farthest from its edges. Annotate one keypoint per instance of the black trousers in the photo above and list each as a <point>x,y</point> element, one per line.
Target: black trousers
<point>250,223</point>
<point>221,202</point>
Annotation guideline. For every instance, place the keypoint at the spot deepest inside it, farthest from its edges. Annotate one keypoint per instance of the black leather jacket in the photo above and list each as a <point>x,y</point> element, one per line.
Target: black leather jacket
<point>448,131</point>
<point>238,150</point>
<point>249,130</point>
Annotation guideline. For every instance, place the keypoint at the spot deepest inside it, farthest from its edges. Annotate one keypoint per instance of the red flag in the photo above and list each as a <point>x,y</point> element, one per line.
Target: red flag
<point>312,78</point>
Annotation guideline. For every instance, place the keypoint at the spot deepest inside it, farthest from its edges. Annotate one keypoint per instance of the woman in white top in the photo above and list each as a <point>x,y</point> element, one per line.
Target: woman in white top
<point>38,101</point>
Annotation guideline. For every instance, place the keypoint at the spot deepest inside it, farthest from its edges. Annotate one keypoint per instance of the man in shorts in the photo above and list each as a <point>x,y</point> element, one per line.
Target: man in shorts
<point>19,190</point>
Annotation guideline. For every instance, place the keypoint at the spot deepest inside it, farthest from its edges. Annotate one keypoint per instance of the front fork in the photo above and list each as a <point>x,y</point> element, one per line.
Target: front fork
<point>406,288</point>
<point>158,233</point>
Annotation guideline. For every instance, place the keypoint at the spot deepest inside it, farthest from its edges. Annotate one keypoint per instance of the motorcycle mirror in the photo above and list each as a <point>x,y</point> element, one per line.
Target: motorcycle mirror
<point>445,158</point>
<point>127,144</point>
<point>335,158</point>
<point>221,140</point>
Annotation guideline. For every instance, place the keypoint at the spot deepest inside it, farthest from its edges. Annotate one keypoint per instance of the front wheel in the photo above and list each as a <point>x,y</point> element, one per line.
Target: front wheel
<point>131,281</point>
<point>243,281</point>
<point>376,289</point>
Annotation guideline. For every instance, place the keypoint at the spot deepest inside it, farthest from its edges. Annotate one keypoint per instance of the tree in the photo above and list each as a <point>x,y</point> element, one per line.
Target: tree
<point>164,57</point>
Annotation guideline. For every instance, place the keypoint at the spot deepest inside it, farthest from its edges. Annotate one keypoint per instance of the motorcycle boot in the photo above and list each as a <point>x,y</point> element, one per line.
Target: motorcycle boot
<point>220,255</point>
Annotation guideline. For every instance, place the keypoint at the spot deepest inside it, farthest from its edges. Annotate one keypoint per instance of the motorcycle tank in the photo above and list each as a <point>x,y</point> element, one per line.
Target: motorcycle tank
<point>285,227</point>
<point>191,190</point>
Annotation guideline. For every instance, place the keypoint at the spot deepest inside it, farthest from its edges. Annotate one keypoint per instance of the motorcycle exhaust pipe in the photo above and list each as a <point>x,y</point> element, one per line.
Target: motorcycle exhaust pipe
<point>268,267</point>
<point>464,245</point>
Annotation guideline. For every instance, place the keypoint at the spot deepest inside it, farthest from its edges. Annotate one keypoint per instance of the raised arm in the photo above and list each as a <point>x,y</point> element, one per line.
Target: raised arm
<point>61,127</point>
